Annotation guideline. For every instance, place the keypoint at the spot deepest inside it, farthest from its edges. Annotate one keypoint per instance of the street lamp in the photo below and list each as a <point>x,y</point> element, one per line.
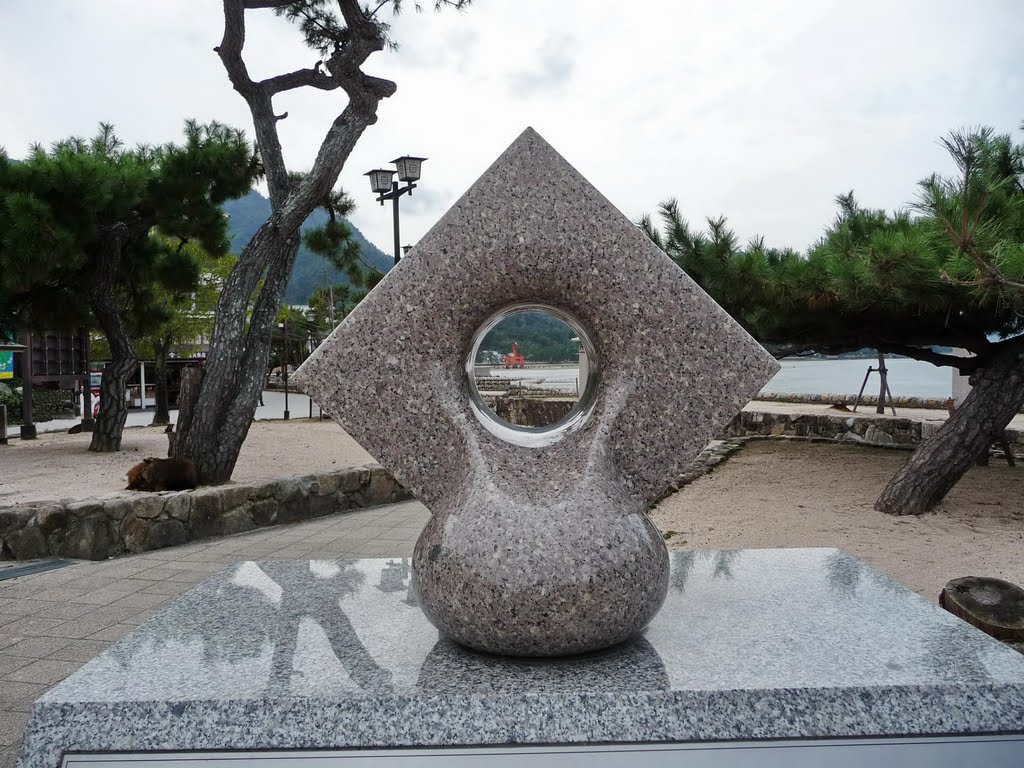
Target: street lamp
<point>383,185</point>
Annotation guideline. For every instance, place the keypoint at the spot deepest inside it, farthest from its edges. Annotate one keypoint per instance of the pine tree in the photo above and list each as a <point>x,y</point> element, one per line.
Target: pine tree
<point>217,409</point>
<point>76,245</point>
<point>947,273</point>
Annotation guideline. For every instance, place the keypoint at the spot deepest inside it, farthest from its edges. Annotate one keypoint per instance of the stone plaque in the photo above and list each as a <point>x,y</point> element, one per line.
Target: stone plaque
<point>539,543</point>
<point>988,751</point>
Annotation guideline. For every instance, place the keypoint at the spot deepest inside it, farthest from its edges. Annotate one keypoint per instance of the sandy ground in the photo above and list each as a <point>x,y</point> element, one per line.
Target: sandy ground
<point>800,494</point>
<point>57,465</point>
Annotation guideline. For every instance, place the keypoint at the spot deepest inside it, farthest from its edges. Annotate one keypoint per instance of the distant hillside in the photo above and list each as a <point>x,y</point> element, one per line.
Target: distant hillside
<point>541,337</point>
<point>246,214</point>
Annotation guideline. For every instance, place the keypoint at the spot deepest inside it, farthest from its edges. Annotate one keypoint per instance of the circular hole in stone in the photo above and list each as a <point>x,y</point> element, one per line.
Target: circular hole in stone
<point>532,371</point>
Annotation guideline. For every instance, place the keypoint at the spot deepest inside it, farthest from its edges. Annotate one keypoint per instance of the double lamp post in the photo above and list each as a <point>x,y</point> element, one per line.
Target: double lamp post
<point>386,188</point>
<point>383,185</point>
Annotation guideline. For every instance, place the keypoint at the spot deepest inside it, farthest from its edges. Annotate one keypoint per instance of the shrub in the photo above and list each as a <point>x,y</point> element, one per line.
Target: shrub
<point>47,404</point>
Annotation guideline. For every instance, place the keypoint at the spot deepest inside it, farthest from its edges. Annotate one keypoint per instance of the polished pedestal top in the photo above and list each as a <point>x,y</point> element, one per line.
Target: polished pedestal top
<point>751,644</point>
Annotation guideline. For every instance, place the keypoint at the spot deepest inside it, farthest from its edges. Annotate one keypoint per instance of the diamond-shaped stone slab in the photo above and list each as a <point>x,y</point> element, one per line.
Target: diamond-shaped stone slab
<point>675,368</point>
<point>537,551</point>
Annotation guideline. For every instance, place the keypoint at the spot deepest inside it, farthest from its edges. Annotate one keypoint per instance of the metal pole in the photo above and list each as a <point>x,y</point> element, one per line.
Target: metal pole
<point>28,428</point>
<point>3,425</point>
<point>142,385</point>
<point>398,239</point>
<point>883,385</point>
<point>860,394</point>
<point>286,414</point>
<point>87,419</point>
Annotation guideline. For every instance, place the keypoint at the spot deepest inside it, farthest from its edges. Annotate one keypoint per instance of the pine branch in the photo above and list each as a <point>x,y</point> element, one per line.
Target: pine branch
<point>256,96</point>
<point>966,365</point>
<point>300,78</point>
<point>995,279</point>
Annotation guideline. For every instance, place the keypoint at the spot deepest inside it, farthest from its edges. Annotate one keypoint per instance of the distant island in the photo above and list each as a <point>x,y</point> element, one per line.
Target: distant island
<point>860,354</point>
<point>541,337</point>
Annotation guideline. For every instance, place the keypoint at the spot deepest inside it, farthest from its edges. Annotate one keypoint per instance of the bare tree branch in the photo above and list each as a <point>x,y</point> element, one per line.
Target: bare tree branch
<point>300,78</point>
<point>995,279</point>
<point>257,97</point>
<point>966,365</point>
<point>364,92</point>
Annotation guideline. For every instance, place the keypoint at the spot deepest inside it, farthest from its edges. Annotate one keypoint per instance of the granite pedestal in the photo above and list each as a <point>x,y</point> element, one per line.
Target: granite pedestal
<point>753,645</point>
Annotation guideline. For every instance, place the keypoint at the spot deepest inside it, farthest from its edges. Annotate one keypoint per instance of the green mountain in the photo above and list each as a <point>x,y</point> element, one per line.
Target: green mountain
<point>541,337</point>
<point>247,214</point>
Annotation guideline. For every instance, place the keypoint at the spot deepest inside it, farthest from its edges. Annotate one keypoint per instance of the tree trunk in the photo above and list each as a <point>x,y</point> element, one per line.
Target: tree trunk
<point>191,382</point>
<point>212,432</point>
<point>109,425</point>
<point>211,435</point>
<point>162,416</point>
<point>996,396</point>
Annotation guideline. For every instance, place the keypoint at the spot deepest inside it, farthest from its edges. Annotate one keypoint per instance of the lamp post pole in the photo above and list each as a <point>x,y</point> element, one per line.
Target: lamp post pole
<point>394,206</point>
<point>386,188</point>
<point>28,428</point>
<point>286,413</point>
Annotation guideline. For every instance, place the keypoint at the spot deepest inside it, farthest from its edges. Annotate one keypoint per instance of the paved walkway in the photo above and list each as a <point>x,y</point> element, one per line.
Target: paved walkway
<point>54,622</point>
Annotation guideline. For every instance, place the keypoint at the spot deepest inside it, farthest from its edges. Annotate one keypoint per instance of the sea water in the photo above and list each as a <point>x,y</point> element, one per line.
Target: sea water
<point>907,378</point>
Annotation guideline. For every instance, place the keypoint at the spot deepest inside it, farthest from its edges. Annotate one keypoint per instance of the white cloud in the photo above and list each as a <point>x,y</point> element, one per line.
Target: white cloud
<point>760,111</point>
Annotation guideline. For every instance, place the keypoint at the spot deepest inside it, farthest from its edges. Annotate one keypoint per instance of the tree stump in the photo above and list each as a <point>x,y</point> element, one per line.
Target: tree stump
<point>994,606</point>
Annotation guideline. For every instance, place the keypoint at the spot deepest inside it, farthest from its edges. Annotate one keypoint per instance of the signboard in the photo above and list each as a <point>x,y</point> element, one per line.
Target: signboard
<point>6,365</point>
<point>933,752</point>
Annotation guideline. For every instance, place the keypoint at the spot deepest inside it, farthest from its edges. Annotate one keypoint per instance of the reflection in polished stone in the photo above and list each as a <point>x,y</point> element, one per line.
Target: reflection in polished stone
<point>263,609</point>
<point>326,627</point>
<point>394,575</point>
<point>450,668</point>
<point>843,574</point>
<point>305,655</point>
<point>724,560</point>
<point>682,564</point>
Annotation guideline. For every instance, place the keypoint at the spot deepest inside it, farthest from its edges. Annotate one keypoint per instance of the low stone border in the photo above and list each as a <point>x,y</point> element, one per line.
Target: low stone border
<point>934,403</point>
<point>709,458</point>
<point>874,430</point>
<point>95,529</point>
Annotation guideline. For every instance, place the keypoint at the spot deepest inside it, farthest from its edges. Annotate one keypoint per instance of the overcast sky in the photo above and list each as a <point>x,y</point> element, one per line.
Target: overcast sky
<point>758,110</point>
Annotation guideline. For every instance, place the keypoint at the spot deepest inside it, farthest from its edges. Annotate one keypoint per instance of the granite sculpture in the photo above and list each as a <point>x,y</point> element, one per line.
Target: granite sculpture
<point>538,544</point>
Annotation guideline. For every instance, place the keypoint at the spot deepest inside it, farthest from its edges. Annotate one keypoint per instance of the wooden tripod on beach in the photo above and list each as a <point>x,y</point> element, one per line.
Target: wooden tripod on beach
<point>884,393</point>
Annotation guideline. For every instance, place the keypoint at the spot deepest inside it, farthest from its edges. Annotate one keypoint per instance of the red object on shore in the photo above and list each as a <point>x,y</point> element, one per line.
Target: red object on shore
<point>515,360</point>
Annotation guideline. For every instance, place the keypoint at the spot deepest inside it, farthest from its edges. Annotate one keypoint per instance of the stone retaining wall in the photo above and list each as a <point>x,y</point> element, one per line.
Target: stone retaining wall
<point>874,430</point>
<point>95,529</point>
<point>532,411</point>
<point>936,403</point>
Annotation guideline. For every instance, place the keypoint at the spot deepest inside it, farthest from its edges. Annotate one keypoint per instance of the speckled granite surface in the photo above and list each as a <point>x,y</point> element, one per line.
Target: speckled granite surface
<point>753,644</point>
<point>525,541</point>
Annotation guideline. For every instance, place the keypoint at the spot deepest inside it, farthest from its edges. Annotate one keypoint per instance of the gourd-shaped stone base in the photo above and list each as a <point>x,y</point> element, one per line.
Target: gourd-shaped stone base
<point>574,576</point>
